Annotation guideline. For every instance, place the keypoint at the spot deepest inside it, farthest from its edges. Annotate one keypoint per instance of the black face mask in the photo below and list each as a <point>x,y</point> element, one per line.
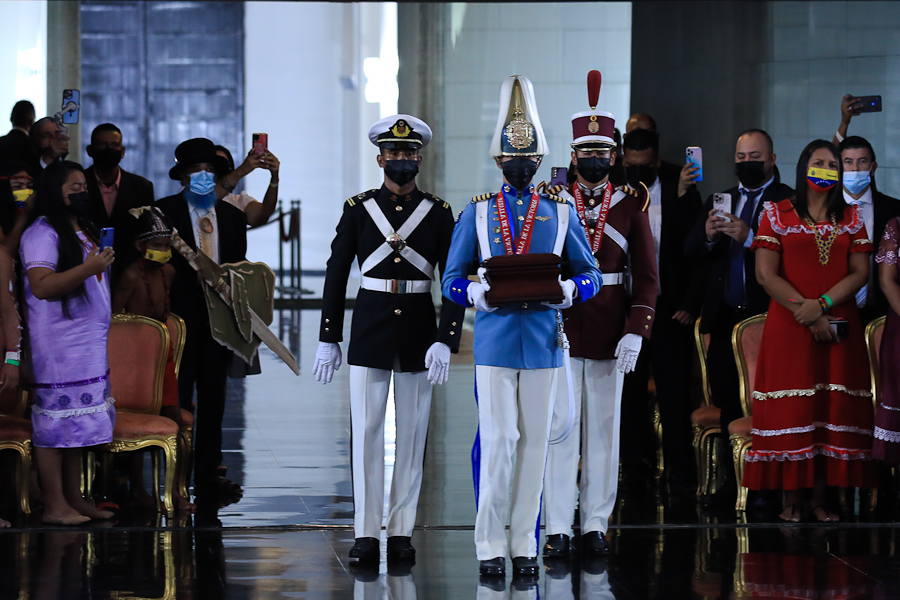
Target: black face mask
<point>107,158</point>
<point>751,173</point>
<point>519,172</point>
<point>79,204</point>
<point>401,172</point>
<point>638,174</point>
<point>593,168</point>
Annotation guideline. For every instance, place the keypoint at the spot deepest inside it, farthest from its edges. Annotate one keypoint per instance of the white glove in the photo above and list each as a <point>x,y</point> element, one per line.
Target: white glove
<point>627,352</point>
<point>475,294</point>
<point>568,288</point>
<point>437,361</point>
<point>328,360</point>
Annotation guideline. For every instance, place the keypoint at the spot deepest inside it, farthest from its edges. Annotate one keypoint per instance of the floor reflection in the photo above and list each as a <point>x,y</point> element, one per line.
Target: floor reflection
<point>205,561</point>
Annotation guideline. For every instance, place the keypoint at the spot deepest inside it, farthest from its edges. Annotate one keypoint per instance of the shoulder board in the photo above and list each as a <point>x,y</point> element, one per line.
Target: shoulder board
<point>643,192</point>
<point>556,189</point>
<point>482,197</point>
<point>436,200</point>
<point>555,198</point>
<point>354,200</point>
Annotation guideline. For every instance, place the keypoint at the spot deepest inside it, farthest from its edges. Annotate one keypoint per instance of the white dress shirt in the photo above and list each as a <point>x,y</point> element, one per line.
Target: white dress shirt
<point>654,213</point>
<point>196,214</point>
<point>867,210</point>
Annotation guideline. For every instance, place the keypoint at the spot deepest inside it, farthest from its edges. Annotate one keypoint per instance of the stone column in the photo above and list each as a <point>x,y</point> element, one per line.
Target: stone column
<point>64,62</point>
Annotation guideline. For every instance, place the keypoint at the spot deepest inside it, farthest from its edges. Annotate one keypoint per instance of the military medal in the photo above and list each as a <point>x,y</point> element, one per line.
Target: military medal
<point>593,223</point>
<point>523,244</point>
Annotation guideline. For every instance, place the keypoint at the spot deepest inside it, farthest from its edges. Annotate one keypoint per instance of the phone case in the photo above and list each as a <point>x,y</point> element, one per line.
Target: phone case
<point>71,96</point>
<point>260,143</point>
<point>107,234</point>
<point>694,156</point>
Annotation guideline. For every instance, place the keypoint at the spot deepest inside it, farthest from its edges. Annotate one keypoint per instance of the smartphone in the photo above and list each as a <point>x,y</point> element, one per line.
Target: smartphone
<point>867,104</point>
<point>694,156</point>
<point>260,143</point>
<point>106,238</point>
<point>722,204</point>
<point>558,176</point>
<point>840,327</point>
<point>70,98</point>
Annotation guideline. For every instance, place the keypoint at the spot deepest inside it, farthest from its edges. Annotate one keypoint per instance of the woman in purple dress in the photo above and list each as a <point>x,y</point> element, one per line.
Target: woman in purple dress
<point>67,315</point>
<point>887,413</point>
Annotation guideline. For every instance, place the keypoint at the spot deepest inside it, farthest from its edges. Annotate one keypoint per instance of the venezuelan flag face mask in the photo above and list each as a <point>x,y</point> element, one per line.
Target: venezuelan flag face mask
<point>821,180</point>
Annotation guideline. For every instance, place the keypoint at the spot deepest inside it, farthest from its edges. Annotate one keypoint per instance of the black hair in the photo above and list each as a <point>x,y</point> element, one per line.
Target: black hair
<point>228,157</point>
<point>22,114</point>
<point>8,213</point>
<point>855,142</point>
<point>49,204</point>
<point>641,139</point>
<point>104,127</point>
<point>34,134</point>
<point>834,201</point>
<point>765,135</point>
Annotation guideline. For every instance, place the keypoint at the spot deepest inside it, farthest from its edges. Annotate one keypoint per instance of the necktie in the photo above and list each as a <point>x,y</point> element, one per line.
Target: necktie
<point>734,292</point>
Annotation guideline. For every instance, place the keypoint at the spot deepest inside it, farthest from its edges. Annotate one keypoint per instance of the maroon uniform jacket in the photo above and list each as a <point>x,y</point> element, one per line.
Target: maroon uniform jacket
<point>595,327</point>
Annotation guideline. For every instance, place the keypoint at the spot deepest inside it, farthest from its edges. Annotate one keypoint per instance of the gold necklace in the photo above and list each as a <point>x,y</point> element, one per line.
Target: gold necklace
<point>823,241</point>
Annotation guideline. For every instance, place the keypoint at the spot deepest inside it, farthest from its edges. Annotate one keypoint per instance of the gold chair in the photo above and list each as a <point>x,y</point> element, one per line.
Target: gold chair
<point>138,349</point>
<point>874,332</point>
<point>177,332</point>
<point>15,434</point>
<point>745,339</point>
<point>706,424</point>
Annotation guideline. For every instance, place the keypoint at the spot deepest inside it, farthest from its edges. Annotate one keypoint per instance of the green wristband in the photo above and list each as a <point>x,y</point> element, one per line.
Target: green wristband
<point>828,300</point>
<point>11,361</point>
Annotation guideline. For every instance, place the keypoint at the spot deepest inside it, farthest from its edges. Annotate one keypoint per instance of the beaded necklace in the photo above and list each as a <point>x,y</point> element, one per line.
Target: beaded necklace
<point>823,241</point>
<point>149,293</point>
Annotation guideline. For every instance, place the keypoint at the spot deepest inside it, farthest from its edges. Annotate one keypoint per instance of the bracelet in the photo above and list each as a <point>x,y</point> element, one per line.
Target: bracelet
<point>828,300</point>
<point>10,361</point>
<point>14,355</point>
<point>838,136</point>
<point>823,305</point>
<point>273,184</point>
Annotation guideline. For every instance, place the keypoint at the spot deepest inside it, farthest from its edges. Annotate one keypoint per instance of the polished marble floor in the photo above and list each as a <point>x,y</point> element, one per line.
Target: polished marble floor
<point>287,443</point>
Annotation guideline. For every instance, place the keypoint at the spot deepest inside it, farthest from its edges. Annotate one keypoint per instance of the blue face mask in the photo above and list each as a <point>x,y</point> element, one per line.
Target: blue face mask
<point>202,183</point>
<point>856,181</point>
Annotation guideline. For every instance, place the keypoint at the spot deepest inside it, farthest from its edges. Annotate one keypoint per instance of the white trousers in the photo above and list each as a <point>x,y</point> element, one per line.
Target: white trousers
<point>386,587</point>
<point>598,394</point>
<point>514,411</point>
<point>593,587</point>
<point>368,401</point>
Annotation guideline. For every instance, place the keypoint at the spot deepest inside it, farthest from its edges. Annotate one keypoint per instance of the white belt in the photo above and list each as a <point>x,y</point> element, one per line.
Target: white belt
<point>395,286</point>
<point>613,278</point>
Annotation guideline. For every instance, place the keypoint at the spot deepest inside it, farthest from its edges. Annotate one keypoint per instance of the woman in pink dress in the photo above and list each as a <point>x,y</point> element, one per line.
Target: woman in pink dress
<point>887,415</point>
<point>67,315</point>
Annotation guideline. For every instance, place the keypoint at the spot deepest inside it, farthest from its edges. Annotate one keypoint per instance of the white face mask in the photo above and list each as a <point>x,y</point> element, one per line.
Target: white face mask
<point>856,181</point>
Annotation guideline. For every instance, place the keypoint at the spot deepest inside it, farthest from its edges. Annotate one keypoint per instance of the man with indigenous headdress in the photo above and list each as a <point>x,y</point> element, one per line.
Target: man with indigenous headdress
<point>398,234</point>
<point>218,230</point>
<point>518,352</point>
<point>605,332</point>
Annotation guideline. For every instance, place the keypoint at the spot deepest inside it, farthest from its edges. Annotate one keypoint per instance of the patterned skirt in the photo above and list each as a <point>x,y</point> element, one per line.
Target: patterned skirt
<point>73,414</point>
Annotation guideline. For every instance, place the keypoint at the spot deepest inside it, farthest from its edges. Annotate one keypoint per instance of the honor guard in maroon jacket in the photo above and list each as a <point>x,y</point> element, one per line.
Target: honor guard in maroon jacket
<point>398,234</point>
<point>605,334</point>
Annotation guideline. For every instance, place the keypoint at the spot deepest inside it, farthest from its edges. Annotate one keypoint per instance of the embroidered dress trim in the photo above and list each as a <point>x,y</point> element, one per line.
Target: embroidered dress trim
<point>772,213</point>
<point>75,412</point>
<point>40,263</point>
<point>887,435</point>
<point>819,387</point>
<point>766,238</point>
<point>886,407</point>
<point>809,428</point>
<point>807,453</point>
<point>53,386</point>
<point>861,242</point>
<point>889,257</point>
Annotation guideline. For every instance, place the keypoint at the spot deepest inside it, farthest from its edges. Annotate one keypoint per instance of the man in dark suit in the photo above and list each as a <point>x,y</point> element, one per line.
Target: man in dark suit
<point>15,145</point>
<point>672,211</point>
<point>219,230</point>
<point>114,191</point>
<point>48,144</point>
<point>666,170</point>
<point>722,240</point>
<point>877,209</point>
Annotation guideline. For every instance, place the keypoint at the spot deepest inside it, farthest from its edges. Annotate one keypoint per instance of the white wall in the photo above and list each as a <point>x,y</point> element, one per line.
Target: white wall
<point>23,56</point>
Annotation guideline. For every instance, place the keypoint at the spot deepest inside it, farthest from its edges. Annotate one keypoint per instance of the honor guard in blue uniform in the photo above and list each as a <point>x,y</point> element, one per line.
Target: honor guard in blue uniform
<point>398,234</point>
<point>517,356</point>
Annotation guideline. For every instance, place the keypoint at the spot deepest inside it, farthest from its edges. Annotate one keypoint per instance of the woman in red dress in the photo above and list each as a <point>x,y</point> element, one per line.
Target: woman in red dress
<point>812,408</point>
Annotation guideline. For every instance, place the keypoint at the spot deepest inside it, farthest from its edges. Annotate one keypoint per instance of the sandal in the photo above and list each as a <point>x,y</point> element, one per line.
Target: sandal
<point>796,513</point>
<point>829,516</point>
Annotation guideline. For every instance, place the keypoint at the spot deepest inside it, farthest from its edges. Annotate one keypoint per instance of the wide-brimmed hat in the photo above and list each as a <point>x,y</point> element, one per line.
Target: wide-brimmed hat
<point>193,152</point>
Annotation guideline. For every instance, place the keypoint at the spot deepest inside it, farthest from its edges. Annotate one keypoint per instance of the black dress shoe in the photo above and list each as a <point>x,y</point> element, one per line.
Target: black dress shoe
<point>495,583</point>
<point>557,545</point>
<point>493,566</point>
<point>557,567</point>
<point>364,572</point>
<point>594,544</point>
<point>399,547</point>
<point>365,549</point>
<point>525,565</point>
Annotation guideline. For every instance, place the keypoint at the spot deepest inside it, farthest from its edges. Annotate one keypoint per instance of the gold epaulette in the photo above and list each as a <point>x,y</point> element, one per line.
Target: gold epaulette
<point>482,197</point>
<point>556,198</point>
<point>556,189</point>
<point>360,197</point>
<point>636,194</point>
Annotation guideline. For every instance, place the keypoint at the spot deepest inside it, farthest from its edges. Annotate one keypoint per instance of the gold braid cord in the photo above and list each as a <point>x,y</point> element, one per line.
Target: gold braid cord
<point>823,241</point>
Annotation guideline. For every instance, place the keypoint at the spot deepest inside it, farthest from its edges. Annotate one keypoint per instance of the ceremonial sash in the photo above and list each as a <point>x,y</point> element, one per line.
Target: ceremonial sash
<point>595,238</point>
<point>385,250</point>
<point>524,242</point>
